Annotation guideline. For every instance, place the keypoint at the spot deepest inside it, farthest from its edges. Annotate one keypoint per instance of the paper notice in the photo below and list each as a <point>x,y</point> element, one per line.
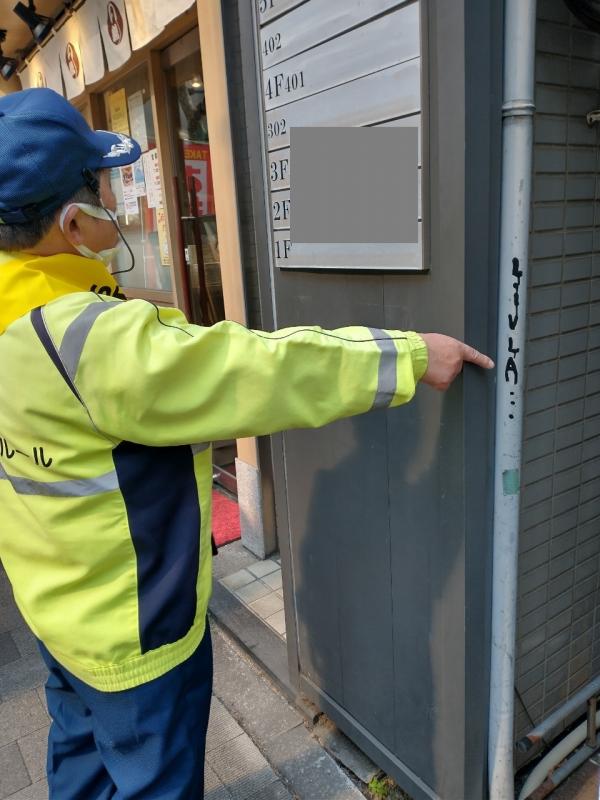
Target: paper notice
<point>117,108</point>
<point>163,237</point>
<point>152,174</point>
<point>137,119</point>
<point>140,179</point>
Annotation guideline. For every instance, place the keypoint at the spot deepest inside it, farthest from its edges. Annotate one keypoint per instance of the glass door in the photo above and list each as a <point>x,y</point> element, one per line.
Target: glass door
<point>190,150</point>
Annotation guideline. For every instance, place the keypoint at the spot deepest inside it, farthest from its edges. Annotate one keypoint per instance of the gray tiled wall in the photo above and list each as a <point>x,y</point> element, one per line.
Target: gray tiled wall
<point>559,569</point>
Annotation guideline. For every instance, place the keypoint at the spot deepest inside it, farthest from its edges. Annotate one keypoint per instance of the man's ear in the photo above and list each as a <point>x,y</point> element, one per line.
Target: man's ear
<point>71,230</point>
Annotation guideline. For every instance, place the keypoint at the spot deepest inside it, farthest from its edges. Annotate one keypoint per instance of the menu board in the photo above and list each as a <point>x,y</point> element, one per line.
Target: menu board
<point>336,63</point>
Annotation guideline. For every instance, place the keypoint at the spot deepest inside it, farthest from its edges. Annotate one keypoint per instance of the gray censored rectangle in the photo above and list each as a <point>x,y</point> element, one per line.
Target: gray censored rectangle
<point>354,185</point>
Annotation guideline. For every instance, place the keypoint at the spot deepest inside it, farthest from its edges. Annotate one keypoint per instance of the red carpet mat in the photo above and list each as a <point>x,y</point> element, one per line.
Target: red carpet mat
<point>225,519</point>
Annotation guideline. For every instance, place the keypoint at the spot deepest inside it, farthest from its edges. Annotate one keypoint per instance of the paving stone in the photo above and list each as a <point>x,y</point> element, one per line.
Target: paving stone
<point>260,710</point>
<point>41,693</point>
<point>8,649</point>
<point>27,673</point>
<point>253,591</point>
<point>276,791</point>
<point>25,641</point>
<point>262,568</point>
<point>37,791</point>
<point>274,579</point>
<point>277,622</point>
<point>240,578</point>
<point>10,616</point>
<point>267,606</point>
<point>232,558</point>
<point>13,772</point>
<point>21,716</point>
<point>312,773</point>
<point>241,767</point>
<point>34,748</point>
<point>213,787</point>
<point>222,727</point>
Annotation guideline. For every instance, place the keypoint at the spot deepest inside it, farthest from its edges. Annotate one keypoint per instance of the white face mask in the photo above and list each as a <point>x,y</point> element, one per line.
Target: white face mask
<point>106,256</point>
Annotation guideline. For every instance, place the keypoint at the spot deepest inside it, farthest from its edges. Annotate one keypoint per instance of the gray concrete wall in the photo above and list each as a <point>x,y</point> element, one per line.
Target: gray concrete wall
<point>559,567</point>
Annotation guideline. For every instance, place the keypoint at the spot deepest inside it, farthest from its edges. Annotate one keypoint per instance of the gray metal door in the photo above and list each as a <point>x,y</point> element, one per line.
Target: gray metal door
<point>384,520</point>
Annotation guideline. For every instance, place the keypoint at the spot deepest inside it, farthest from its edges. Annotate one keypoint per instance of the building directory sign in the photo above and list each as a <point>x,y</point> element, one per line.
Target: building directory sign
<point>337,63</point>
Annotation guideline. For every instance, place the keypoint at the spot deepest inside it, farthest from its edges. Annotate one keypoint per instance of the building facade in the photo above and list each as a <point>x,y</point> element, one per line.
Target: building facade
<point>385,523</point>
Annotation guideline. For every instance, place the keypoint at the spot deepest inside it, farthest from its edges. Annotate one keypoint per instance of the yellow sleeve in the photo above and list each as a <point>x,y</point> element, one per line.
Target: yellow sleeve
<point>149,376</point>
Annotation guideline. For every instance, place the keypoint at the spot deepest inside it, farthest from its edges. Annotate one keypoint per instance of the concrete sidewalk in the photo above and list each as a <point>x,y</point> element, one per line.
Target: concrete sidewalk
<point>258,747</point>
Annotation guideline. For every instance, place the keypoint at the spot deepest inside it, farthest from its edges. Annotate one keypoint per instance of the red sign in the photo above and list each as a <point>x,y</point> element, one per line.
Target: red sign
<point>198,175</point>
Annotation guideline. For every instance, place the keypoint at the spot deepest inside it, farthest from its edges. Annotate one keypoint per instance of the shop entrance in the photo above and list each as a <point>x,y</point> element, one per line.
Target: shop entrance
<point>190,152</point>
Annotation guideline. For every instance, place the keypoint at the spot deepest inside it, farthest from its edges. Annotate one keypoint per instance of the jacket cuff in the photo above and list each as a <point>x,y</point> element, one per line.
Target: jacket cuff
<point>419,354</point>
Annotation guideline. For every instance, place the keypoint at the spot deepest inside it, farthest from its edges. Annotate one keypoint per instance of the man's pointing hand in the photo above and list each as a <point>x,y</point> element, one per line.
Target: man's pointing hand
<point>446,359</point>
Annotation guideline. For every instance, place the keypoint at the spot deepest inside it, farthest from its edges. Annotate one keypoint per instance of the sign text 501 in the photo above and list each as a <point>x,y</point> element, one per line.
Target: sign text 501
<point>265,5</point>
<point>282,83</point>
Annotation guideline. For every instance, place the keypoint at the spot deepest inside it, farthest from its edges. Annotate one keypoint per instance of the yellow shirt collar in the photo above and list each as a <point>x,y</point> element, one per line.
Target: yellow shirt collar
<point>28,281</point>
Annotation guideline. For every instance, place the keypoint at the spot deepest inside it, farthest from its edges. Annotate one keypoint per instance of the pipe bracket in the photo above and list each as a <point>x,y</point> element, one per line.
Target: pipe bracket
<point>518,108</point>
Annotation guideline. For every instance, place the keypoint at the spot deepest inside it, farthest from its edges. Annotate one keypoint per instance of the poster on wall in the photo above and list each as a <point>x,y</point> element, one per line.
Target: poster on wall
<point>112,19</point>
<point>152,175</point>
<point>198,178</point>
<point>71,62</point>
<point>130,197</point>
<point>117,110</point>
<point>137,119</point>
<point>163,237</point>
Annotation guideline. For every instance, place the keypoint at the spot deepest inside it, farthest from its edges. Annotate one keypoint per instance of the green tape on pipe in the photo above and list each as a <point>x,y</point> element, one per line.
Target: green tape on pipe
<point>511,481</point>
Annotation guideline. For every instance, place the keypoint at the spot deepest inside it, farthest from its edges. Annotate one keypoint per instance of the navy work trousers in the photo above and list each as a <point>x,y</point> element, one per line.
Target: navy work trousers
<point>147,742</point>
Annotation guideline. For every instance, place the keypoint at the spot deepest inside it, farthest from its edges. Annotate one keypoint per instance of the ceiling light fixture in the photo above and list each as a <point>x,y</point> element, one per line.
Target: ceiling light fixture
<point>8,66</point>
<point>39,25</point>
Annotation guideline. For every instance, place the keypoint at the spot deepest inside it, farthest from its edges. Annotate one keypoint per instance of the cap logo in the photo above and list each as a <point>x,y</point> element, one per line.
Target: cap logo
<point>116,27</point>
<point>124,147</point>
<point>72,61</point>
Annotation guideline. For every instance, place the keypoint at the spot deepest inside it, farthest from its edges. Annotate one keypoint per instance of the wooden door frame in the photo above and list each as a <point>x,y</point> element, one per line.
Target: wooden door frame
<point>214,69</point>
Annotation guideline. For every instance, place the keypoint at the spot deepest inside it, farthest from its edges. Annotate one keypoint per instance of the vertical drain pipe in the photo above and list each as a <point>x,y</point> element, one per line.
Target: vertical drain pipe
<point>517,144</point>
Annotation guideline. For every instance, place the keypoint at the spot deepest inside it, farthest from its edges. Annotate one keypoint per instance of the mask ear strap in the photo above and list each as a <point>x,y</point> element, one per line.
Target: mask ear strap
<point>63,214</point>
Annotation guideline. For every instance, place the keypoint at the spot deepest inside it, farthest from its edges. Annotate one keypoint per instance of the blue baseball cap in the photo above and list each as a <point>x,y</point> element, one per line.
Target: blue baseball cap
<point>47,151</point>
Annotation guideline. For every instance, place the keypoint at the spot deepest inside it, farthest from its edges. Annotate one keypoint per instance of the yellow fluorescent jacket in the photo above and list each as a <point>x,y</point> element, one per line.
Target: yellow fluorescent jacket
<point>107,409</point>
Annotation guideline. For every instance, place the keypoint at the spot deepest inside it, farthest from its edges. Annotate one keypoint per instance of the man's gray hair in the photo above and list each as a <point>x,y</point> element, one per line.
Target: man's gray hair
<point>26,235</point>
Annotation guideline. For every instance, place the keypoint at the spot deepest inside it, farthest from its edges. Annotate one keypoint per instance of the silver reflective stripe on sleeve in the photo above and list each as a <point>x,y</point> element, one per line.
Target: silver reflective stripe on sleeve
<point>388,369</point>
<point>199,448</point>
<point>86,487</point>
<point>76,334</point>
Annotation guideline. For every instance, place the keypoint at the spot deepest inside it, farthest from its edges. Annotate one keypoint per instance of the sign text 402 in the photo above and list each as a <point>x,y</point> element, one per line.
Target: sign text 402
<point>282,83</point>
<point>271,44</point>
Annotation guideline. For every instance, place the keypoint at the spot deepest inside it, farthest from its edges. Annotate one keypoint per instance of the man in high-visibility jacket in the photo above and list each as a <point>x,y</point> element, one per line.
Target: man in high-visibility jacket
<point>107,411</point>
